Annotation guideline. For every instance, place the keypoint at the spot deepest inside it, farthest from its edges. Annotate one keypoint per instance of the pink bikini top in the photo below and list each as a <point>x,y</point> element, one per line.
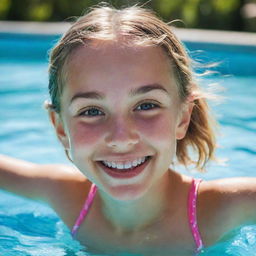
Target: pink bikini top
<point>191,212</point>
<point>192,197</point>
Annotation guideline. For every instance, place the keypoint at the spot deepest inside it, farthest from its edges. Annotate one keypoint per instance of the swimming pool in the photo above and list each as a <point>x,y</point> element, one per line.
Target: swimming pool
<point>32,228</point>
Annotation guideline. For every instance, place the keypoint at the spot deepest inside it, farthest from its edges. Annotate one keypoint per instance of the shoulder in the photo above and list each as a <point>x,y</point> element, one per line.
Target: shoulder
<point>225,204</point>
<point>66,190</point>
<point>63,187</point>
<point>60,171</point>
<point>55,179</point>
<point>36,181</point>
<point>62,180</point>
<point>229,192</point>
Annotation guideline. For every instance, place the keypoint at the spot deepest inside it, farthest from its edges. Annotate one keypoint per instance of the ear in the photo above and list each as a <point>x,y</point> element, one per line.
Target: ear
<point>184,120</point>
<point>57,122</point>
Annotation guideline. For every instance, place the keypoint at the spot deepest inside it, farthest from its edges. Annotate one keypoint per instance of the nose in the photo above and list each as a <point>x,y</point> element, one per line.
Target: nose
<point>122,135</point>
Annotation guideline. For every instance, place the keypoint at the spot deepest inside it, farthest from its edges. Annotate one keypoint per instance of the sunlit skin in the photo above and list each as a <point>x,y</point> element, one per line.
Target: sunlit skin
<point>122,125</point>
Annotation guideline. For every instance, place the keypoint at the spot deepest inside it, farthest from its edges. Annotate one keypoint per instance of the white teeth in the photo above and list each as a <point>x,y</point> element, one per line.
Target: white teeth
<point>119,166</point>
<point>134,163</point>
<point>126,165</point>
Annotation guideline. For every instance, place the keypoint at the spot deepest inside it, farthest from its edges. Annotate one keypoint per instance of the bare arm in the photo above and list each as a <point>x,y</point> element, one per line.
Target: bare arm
<point>239,195</point>
<point>35,181</point>
<point>226,204</point>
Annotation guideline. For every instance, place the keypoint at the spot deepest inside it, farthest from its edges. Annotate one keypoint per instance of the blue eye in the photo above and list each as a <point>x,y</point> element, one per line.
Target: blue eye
<point>147,106</point>
<point>91,112</point>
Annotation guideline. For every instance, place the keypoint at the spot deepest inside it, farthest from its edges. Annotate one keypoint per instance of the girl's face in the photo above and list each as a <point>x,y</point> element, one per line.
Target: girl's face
<point>120,106</point>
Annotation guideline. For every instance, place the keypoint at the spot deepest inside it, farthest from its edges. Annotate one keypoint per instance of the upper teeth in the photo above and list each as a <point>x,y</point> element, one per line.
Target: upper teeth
<point>125,165</point>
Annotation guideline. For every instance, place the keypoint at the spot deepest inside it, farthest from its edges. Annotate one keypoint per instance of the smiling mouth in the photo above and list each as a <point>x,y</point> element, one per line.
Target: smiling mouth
<point>125,166</point>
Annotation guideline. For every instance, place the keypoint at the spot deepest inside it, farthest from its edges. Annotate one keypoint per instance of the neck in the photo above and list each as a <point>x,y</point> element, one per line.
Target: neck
<point>134,215</point>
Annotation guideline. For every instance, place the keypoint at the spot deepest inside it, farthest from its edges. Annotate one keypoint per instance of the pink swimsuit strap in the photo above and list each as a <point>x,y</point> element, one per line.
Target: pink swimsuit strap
<point>192,214</point>
<point>85,209</point>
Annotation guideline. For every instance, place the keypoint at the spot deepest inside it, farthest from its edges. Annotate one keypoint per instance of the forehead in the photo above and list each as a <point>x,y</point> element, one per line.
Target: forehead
<point>114,63</point>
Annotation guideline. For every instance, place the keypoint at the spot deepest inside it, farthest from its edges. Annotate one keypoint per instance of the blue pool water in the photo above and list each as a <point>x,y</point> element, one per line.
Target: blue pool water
<point>32,228</point>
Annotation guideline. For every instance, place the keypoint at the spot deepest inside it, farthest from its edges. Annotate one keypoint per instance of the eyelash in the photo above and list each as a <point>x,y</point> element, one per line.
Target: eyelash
<point>152,104</point>
<point>82,113</point>
<point>155,105</point>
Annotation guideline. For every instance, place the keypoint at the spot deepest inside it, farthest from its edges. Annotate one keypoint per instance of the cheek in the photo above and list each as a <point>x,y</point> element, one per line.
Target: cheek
<point>160,128</point>
<point>160,133</point>
<point>85,135</point>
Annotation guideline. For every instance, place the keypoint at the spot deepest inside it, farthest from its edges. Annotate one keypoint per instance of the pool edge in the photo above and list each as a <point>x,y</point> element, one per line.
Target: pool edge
<point>184,34</point>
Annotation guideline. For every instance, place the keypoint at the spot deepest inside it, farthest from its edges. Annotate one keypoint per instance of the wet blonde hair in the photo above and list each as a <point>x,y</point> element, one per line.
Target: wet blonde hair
<point>139,26</point>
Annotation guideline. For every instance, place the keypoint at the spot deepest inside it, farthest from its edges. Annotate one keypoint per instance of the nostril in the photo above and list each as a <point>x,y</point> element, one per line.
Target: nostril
<point>122,140</point>
<point>122,144</point>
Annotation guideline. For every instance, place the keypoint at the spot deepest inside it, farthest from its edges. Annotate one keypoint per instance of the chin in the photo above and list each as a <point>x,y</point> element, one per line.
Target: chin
<point>127,192</point>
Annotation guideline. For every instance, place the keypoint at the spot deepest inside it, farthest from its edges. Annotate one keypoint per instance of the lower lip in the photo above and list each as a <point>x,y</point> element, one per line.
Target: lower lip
<point>124,174</point>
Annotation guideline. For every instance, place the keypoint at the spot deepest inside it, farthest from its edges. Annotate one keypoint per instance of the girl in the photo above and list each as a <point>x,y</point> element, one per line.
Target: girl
<point>125,106</point>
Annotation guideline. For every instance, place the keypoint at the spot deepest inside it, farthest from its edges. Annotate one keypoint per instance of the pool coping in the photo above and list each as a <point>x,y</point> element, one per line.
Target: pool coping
<point>184,34</point>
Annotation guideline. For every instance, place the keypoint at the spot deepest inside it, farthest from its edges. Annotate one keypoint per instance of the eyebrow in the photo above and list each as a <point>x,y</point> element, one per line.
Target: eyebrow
<point>138,91</point>
<point>147,88</point>
<point>88,95</point>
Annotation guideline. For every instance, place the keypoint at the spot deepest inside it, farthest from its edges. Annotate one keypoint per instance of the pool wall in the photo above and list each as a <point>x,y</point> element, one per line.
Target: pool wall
<point>32,41</point>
